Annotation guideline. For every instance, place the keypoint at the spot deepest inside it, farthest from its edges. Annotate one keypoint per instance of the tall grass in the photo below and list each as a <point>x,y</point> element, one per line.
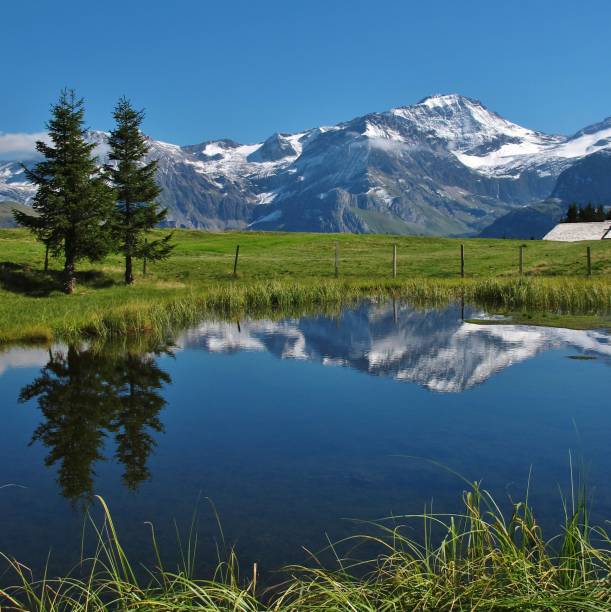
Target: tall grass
<point>276,299</point>
<point>566,295</point>
<point>283,271</point>
<point>482,560</point>
<point>479,559</point>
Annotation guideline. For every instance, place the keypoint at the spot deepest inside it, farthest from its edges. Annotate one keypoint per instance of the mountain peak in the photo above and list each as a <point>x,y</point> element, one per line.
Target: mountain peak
<point>465,125</point>
<point>446,165</point>
<point>604,125</point>
<point>276,147</point>
<point>449,99</point>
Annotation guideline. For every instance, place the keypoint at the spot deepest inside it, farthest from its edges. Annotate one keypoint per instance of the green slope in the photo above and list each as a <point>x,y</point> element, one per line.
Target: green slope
<point>6,213</point>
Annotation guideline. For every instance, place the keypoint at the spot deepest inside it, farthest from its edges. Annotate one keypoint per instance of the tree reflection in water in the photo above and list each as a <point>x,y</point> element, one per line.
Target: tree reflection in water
<point>88,394</point>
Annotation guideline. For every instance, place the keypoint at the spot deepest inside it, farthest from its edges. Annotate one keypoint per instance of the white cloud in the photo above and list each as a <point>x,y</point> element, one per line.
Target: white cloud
<point>23,358</point>
<point>20,145</point>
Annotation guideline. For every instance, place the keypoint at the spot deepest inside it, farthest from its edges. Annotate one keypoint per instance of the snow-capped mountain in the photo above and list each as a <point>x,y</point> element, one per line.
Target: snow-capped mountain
<point>446,165</point>
<point>13,183</point>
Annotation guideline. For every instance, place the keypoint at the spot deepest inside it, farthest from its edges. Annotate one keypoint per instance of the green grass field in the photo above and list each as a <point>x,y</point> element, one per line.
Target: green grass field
<point>284,270</point>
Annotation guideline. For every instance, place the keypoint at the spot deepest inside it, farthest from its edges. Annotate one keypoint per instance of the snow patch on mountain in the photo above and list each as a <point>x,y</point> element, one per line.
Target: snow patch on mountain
<point>446,165</point>
<point>531,153</point>
<point>379,131</point>
<point>239,163</point>
<point>381,194</point>
<point>14,185</point>
<point>465,124</point>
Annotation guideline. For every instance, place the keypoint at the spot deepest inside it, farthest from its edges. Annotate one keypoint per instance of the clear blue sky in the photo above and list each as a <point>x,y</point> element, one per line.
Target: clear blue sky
<point>244,69</point>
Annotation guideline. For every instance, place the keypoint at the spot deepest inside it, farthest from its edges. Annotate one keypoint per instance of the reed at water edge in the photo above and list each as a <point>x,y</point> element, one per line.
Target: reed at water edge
<point>276,299</point>
<point>479,559</point>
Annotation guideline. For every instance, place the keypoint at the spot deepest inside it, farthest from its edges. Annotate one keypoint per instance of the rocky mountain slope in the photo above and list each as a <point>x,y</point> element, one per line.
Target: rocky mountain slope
<point>446,165</point>
<point>533,221</point>
<point>6,212</point>
<point>587,180</point>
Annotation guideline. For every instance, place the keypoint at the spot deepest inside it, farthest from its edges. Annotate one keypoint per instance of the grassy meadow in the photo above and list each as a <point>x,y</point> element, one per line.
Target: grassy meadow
<point>292,272</point>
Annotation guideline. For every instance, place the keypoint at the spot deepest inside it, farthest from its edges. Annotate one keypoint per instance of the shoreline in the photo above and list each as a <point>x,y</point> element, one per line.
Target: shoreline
<point>290,273</point>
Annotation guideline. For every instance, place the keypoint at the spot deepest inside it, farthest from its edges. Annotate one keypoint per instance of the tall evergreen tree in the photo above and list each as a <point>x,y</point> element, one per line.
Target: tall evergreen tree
<point>136,210</point>
<point>572,214</point>
<point>599,213</point>
<point>73,201</point>
<point>586,214</point>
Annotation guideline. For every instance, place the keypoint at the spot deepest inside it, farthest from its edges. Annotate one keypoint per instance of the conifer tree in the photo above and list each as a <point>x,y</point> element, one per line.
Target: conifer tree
<point>572,214</point>
<point>586,214</point>
<point>136,211</point>
<point>73,201</point>
<point>599,213</point>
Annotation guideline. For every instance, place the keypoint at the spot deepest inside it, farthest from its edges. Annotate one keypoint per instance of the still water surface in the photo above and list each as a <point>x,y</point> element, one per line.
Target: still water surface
<point>291,427</point>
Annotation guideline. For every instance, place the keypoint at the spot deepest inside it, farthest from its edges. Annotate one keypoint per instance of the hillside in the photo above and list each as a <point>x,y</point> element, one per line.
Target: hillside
<point>6,212</point>
<point>527,222</point>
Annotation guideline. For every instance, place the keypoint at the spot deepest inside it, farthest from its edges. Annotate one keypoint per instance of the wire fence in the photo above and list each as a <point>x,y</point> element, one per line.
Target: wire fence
<point>345,260</point>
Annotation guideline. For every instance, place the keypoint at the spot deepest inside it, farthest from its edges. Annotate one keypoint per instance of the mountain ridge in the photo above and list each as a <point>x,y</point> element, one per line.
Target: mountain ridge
<point>446,165</point>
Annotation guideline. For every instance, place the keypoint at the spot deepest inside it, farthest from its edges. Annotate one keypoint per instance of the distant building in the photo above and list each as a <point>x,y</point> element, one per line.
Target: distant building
<point>573,232</point>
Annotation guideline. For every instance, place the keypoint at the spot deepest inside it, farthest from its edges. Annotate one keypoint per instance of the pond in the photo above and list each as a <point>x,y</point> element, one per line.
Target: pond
<point>290,428</point>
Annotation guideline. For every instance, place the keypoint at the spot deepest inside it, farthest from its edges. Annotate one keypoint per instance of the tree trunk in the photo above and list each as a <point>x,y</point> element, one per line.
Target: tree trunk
<point>46,256</point>
<point>69,275</point>
<point>129,244</point>
<point>69,268</point>
<point>129,273</point>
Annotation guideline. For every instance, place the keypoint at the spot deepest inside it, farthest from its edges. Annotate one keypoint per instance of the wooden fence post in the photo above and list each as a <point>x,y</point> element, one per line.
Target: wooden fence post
<point>336,258</point>
<point>521,259</point>
<point>462,261</point>
<point>235,262</point>
<point>589,261</point>
<point>394,261</point>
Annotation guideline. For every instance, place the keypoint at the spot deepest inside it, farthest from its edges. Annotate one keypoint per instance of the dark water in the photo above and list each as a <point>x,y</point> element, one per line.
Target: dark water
<point>291,427</point>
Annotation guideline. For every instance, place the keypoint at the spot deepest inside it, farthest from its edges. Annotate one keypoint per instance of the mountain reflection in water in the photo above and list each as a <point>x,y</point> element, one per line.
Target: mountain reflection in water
<point>105,401</point>
<point>250,416</point>
<point>433,348</point>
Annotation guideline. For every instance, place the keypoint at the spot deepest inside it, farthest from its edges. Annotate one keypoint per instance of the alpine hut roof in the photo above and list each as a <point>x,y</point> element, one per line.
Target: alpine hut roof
<point>573,232</point>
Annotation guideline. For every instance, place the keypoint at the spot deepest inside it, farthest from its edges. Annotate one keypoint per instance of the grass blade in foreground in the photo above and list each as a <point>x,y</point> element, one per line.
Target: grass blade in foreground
<point>481,560</point>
